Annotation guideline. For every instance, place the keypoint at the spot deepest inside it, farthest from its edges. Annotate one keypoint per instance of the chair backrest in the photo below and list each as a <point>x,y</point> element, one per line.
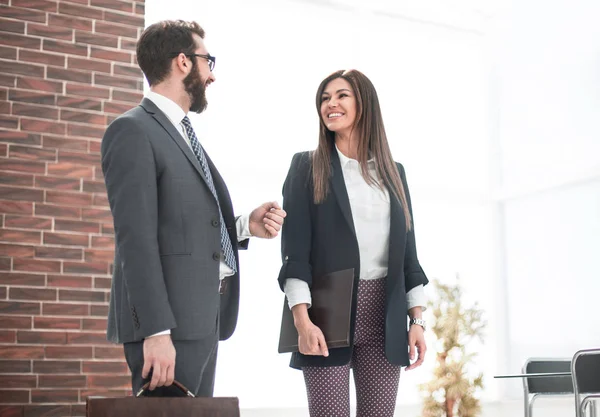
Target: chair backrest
<point>586,371</point>
<point>549,385</point>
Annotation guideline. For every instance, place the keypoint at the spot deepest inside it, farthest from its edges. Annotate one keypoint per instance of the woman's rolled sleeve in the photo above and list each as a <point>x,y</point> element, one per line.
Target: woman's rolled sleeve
<point>297,292</point>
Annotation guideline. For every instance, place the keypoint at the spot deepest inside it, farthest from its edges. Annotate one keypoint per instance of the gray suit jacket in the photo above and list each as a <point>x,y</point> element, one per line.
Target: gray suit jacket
<point>167,233</point>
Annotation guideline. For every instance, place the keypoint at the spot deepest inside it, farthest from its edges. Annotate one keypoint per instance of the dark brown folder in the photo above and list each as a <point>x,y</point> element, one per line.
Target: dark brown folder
<point>331,311</point>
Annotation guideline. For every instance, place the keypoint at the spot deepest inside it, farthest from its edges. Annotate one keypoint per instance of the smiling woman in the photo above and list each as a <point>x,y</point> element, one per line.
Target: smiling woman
<point>338,107</point>
<point>351,117</point>
<point>348,208</point>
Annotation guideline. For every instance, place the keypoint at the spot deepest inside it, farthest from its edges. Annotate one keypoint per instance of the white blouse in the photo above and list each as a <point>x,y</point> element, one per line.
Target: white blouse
<point>370,208</point>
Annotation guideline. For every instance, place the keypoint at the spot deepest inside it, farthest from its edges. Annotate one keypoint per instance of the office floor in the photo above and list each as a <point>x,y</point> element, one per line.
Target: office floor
<point>563,407</point>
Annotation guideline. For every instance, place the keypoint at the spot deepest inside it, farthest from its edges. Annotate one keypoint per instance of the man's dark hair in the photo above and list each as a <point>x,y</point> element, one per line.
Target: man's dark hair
<point>163,41</point>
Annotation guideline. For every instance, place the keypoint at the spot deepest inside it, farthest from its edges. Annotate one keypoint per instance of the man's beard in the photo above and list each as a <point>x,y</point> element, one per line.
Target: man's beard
<point>196,90</point>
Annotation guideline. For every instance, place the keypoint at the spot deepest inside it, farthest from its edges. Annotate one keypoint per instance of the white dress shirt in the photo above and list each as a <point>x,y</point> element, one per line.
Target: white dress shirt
<point>175,114</point>
<point>370,208</point>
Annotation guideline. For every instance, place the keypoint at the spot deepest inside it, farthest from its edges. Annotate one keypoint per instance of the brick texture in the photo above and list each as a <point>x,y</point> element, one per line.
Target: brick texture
<point>66,70</point>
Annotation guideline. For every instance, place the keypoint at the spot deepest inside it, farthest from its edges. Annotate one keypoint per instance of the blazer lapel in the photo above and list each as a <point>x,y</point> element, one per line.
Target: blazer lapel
<point>162,119</point>
<point>397,238</point>
<point>339,189</point>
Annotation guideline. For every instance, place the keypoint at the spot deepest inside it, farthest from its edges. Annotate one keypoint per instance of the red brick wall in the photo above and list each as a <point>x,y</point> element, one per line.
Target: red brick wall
<point>67,68</point>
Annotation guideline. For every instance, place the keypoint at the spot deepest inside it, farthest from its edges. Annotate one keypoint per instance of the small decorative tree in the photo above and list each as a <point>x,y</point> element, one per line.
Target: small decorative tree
<point>452,392</point>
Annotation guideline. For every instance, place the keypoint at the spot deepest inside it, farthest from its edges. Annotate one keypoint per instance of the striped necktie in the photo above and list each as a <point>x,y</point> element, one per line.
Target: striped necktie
<point>226,247</point>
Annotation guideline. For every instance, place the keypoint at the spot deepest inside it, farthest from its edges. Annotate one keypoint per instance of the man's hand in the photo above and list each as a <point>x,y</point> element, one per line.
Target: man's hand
<point>416,341</point>
<point>266,220</point>
<point>159,355</point>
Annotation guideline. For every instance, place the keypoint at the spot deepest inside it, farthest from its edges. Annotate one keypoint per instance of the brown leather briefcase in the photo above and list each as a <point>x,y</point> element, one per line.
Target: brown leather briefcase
<point>184,406</point>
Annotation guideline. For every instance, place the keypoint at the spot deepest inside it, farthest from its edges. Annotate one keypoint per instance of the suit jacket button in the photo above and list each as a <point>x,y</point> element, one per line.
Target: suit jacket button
<point>217,256</point>
<point>215,223</point>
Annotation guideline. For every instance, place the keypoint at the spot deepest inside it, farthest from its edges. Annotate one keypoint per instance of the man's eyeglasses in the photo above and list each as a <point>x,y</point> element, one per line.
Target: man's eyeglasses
<point>211,59</point>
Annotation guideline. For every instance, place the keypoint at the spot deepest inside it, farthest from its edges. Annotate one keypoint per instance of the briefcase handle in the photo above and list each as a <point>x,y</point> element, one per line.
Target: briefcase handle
<point>175,383</point>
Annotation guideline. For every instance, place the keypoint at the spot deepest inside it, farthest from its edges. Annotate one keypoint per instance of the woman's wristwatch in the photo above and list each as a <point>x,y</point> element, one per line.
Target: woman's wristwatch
<point>419,322</point>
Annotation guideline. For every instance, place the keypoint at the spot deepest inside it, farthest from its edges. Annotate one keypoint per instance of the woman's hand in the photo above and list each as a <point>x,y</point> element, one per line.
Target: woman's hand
<point>416,341</point>
<point>310,338</point>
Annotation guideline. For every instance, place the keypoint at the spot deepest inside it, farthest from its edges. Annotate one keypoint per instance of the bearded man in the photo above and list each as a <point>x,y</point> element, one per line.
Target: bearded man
<point>175,288</point>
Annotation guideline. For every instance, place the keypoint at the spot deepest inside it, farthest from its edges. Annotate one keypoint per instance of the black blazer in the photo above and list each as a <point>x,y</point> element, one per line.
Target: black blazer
<point>320,238</point>
<point>167,233</point>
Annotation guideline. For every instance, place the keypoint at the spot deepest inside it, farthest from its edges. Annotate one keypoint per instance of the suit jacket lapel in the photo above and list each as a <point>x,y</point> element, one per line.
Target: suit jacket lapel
<point>162,119</point>
<point>339,189</point>
<point>225,203</point>
<point>222,191</point>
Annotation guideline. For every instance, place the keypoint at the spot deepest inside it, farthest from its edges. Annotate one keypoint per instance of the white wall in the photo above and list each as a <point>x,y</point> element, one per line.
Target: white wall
<point>546,78</point>
<point>494,114</point>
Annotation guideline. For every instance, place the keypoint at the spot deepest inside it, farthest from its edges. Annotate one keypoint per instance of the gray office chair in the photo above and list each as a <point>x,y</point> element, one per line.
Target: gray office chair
<point>550,386</point>
<point>585,369</point>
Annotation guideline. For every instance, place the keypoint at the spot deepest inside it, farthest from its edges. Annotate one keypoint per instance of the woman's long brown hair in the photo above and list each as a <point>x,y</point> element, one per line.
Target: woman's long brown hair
<point>372,142</point>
